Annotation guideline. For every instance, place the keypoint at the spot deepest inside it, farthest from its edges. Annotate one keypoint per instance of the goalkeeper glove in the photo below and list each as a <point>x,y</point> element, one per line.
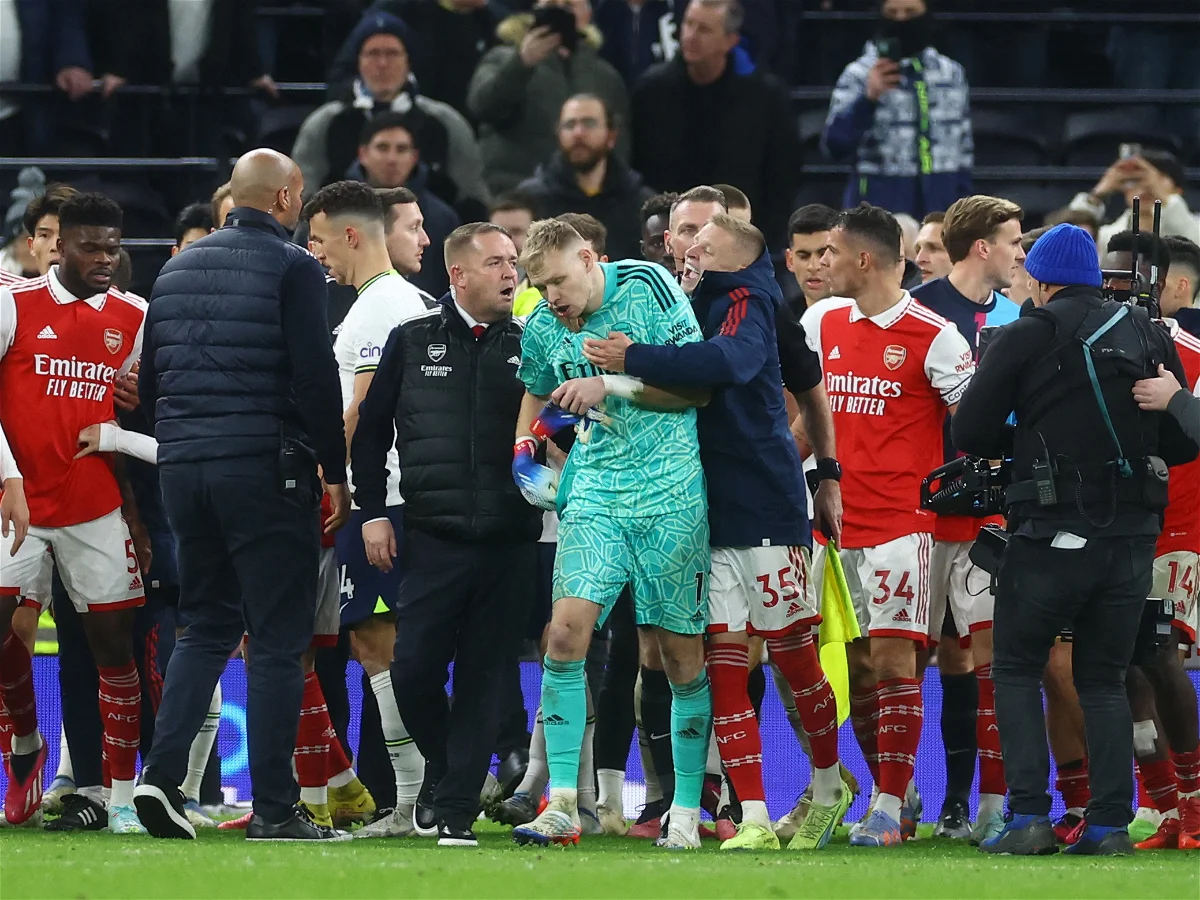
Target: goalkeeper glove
<point>538,484</point>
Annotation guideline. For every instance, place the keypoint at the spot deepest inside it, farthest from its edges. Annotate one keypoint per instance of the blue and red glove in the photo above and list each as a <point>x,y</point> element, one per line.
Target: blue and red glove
<point>553,419</point>
<point>538,484</point>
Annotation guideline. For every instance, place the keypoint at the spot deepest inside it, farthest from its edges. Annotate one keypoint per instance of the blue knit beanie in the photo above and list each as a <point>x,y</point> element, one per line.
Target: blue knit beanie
<point>378,22</point>
<point>1066,254</point>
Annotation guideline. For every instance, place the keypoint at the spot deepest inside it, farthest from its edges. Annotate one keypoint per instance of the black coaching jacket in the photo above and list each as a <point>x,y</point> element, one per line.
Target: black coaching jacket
<point>452,400</point>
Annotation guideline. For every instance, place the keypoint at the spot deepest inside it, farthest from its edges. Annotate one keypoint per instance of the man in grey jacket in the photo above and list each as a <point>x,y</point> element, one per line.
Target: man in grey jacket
<point>519,88</point>
<point>328,140</point>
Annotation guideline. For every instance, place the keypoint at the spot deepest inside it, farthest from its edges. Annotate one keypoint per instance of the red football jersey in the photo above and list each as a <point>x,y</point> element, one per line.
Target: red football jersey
<point>1181,525</point>
<point>889,380</point>
<point>59,356</point>
<point>7,278</point>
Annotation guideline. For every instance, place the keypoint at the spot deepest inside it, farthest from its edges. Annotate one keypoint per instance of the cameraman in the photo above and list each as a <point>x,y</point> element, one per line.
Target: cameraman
<point>1082,557</point>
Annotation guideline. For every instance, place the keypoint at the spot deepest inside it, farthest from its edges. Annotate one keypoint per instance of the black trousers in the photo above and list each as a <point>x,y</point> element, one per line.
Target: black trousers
<point>1099,591</point>
<point>248,557</point>
<point>466,603</point>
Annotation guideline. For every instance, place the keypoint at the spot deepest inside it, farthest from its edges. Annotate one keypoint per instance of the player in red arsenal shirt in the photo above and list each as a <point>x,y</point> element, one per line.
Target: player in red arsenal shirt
<point>892,368</point>
<point>64,339</point>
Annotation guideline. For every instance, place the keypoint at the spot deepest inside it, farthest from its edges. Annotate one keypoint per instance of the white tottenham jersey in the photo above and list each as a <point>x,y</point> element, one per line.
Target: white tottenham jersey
<point>383,303</point>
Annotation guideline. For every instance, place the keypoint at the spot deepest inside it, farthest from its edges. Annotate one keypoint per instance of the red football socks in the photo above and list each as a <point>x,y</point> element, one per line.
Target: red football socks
<point>901,712</point>
<point>121,712</point>
<point>738,738</point>
<point>796,657</point>
<point>987,736</point>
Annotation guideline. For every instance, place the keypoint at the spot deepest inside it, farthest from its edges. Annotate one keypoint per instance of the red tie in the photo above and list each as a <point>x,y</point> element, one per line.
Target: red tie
<point>478,330</point>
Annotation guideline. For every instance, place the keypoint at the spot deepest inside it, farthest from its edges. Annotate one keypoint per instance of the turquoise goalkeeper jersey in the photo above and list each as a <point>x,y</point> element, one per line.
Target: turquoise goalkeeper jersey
<point>644,463</point>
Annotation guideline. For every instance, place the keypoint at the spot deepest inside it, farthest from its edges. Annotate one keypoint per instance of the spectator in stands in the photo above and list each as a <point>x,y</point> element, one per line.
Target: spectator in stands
<point>696,120</point>
<point>656,219</point>
<point>41,43</point>
<point>1083,218</point>
<point>519,88</point>
<point>16,257</point>
<point>452,38</point>
<point>637,34</point>
<point>1159,56</point>
<point>585,177</point>
<point>901,113</point>
<point>1153,175</point>
<point>808,236</point>
<point>160,41</point>
<point>221,203</point>
<point>514,212</point>
<point>929,252</point>
<point>388,157</point>
<point>193,222</point>
<point>328,140</point>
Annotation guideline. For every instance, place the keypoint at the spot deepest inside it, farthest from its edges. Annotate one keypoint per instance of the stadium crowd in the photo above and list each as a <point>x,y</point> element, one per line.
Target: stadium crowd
<point>722,443</point>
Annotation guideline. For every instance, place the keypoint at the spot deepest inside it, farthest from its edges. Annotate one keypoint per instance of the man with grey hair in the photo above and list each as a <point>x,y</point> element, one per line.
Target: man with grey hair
<point>697,120</point>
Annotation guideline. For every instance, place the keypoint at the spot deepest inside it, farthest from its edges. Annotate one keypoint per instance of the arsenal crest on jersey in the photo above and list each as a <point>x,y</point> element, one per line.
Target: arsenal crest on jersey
<point>894,356</point>
<point>436,352</point>
<point>113,339</point>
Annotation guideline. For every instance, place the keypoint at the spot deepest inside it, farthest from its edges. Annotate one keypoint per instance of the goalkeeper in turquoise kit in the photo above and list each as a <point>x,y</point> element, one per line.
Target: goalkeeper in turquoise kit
<point>636,512</point>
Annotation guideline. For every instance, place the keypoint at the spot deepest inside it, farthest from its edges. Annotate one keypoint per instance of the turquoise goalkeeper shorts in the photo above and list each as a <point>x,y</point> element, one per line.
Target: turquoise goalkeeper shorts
<point>664,559</point>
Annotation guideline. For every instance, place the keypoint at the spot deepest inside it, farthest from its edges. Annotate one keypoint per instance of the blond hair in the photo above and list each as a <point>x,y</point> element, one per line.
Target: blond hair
<point>746,236</point>
<point>972,219</point>
<point>547,236</point>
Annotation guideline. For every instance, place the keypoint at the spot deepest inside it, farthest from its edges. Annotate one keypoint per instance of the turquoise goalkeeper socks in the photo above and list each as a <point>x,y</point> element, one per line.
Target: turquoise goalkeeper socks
<point>691,728</point>
<point>564,716</point>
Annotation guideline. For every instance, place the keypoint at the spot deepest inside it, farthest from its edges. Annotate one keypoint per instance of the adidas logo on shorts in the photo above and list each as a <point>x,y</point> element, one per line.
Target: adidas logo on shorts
<point>136,583</point>
<point>514,360</point>
<point>553,720</point>
<point>794,609</point>
<point>902,616</point>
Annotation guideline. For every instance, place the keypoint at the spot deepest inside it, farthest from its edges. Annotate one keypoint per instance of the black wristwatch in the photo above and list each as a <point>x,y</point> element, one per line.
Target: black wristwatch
<point>828,468</point>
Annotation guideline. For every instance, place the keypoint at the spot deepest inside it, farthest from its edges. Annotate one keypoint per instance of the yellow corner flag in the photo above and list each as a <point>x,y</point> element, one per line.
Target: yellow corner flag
<point>839,626</point>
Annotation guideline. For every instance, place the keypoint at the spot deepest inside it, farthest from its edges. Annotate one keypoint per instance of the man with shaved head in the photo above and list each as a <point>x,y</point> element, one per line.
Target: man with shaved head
<point>239,380</point>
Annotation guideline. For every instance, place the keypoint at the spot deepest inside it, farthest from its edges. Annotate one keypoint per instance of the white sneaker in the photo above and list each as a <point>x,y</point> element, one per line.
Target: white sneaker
<point>491,795</point>
<point>197,816</point>
<point>612,821</point>
<point>393,824</point>
<point>787,826</point>
<point>870,806</point>
<point>589,822</point>
<point>52,800</point>
<point>124,820</point>
<point>680,836</point>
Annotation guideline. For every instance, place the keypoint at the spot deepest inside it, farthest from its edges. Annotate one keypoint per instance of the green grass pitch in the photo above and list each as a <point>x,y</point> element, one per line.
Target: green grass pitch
<point>222,865</point>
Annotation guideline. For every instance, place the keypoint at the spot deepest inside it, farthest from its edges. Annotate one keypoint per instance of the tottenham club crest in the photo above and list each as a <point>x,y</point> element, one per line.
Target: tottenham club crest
<point>894,356</point>
<point>437,352</point>
<point>113,339</point>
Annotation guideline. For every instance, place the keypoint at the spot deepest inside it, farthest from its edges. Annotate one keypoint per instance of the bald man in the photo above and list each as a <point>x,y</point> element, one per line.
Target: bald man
<point>239,379</point>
